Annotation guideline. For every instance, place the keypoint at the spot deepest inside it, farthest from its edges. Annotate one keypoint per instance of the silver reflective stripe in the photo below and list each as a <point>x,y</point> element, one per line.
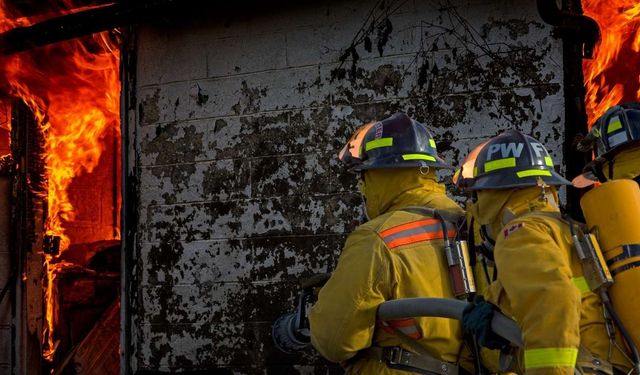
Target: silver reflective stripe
<point>411,331</point>
<point>616,139</point>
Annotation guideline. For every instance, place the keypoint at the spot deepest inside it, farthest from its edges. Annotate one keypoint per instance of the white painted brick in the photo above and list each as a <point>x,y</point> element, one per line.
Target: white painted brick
<point>169,56</point>
<point>202,262</point>
<point>242,54</point>
<point>260,92</point>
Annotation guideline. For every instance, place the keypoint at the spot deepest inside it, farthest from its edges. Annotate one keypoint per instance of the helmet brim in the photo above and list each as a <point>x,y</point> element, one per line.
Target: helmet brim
<point>397,162</point>
<point>609,155</point>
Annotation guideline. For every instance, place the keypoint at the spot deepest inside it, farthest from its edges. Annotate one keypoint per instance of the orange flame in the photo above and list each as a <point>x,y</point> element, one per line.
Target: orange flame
<point>73,90</point>
<point>613,76</point>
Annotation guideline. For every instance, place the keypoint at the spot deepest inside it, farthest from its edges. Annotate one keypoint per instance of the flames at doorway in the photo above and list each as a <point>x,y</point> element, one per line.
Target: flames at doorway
<point>73,90</point>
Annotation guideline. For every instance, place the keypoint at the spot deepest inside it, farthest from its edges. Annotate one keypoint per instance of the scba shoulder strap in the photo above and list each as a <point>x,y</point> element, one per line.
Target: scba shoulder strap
<point>453,217</point>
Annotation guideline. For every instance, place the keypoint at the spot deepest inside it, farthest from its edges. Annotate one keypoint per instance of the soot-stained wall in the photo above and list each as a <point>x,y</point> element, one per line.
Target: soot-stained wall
<point>237,124</point>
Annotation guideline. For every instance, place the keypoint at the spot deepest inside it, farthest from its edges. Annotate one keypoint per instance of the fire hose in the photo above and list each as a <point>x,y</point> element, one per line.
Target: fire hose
<point>446,308</point>
<point>291,331</point>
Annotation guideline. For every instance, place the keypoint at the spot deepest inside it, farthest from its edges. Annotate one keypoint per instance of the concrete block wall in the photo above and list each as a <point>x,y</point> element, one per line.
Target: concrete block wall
<point>238,122</point>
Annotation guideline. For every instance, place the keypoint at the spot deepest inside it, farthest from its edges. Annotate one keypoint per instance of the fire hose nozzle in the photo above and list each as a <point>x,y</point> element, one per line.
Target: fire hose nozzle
<point>291,331</point>
<point>287,334</point>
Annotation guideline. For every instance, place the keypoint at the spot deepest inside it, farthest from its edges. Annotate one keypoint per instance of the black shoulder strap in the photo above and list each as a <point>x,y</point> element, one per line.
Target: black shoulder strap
<point>448,215</point>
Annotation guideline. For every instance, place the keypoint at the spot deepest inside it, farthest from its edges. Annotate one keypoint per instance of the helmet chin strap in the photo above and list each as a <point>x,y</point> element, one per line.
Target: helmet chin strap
<point>361,190</point>
<point>611,161</point>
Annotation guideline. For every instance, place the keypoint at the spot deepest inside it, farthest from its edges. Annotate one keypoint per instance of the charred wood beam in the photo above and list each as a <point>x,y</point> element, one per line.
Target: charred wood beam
<point>31,8</point>
<point>123,13</point>
<point>578,27</point>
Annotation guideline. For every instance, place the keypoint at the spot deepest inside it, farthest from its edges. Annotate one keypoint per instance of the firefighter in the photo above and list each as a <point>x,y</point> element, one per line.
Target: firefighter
<point>616,136</point>
<point>540,281</point>
<point>396,254</point>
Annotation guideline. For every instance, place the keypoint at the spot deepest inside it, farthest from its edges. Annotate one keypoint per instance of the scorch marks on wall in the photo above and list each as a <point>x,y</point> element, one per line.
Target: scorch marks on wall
<point>238,123</point>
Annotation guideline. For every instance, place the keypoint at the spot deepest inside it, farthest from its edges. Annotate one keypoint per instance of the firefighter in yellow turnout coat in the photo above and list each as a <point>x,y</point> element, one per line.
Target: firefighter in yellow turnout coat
<point>397,254</point>
<point>540,280</point>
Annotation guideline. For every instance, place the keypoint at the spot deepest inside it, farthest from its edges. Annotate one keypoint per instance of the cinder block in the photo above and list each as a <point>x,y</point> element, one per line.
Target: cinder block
<point>198,263</point>
<point>198,182</point>
<point>168,56</point>
<point>240,55</point>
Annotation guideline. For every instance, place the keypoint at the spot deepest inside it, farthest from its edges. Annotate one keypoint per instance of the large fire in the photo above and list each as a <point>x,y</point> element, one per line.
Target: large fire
<point>613,76</point>
<point>73,89</point>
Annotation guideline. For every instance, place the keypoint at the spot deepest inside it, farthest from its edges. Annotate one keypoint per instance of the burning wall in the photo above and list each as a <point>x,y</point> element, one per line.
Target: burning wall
<point>612,77</point>
<point>237,124</point>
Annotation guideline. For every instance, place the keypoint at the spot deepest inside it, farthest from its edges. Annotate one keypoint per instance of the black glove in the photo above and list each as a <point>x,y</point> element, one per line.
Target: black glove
<point>476,321</point>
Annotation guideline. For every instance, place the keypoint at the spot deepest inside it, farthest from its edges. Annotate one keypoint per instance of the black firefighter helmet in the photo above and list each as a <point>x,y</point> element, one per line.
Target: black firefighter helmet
<point>616,130</point>
<point>395,142</point>
<point>509,160</point>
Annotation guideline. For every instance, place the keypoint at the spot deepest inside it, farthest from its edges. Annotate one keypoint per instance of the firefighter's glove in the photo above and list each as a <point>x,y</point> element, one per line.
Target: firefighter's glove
<point>476,321</point>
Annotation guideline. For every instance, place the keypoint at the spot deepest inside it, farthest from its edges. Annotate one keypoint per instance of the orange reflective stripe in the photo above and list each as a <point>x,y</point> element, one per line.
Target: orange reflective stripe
<point>407,326</point>
<point>385,327</point>
<point>411,225</point>
<point>436,235</point>
<point>401,323</point>
<point>415,231</point>
<point>412,333</point>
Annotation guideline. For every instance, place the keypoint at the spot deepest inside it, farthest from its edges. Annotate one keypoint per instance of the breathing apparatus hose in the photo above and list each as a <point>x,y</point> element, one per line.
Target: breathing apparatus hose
<point>443,224</point>
<point>446,308</point>
<point>635,356</point>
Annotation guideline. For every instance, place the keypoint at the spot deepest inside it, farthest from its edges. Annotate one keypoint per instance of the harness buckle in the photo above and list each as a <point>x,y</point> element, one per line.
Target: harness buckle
<point>394,356</point>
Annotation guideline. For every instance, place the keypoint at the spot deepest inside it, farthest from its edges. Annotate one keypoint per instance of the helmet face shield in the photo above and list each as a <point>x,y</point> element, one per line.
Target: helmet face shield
<point>464,175</point>
<point>584,180</point>
<point>350,154</point>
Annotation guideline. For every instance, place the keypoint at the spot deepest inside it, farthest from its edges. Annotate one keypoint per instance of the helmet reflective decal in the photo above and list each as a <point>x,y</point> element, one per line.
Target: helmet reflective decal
<point>499,164</point>
<point>617,139</point>
<point>533,172</point>
<point>418,157</point>
<point>614,124</point>
<point>548,161</point>
<point>506,150</point>
<point>377,143</point>
<point>379,129</point>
